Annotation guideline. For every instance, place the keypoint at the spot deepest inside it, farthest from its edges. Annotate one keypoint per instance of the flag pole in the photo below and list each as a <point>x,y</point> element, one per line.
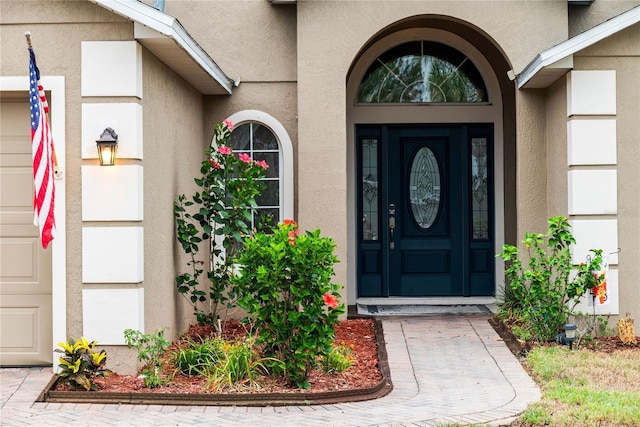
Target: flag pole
<point>27,35</point>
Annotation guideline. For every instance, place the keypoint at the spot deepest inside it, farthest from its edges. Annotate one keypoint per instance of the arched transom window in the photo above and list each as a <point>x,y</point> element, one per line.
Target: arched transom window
<point>422,72</point>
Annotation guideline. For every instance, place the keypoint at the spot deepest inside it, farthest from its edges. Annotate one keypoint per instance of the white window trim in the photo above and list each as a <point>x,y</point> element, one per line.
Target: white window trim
<point>286,154</point>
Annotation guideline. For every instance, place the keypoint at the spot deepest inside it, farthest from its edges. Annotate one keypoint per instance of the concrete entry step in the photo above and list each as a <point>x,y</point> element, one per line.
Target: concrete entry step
<point>399,306</point>
<point>421,310</point>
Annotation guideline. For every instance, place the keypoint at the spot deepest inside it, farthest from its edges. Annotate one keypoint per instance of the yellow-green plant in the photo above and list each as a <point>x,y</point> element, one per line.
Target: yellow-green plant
<point>240,364</point>
<point>80,363</point>
<point>339,359</point>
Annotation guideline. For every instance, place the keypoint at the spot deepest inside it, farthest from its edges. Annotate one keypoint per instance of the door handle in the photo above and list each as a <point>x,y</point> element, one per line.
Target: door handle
<point>392,225</point>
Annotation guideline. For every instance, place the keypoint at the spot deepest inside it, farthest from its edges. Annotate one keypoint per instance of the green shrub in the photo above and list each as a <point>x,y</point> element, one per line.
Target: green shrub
<point>521,333</point>
<point>150,348</point>
<point>542,291</point>
<point>284,282</point>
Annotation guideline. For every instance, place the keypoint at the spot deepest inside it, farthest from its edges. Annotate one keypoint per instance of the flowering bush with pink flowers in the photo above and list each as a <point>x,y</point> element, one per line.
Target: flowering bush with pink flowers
<point>284,283</point>
<point>212,223</point>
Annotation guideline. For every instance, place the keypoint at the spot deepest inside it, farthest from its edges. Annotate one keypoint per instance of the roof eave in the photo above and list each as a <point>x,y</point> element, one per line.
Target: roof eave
<point>550,65</point>
<point>166,38</point>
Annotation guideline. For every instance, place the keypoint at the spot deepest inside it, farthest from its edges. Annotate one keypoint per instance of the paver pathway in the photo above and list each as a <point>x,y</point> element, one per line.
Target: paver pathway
<point>444,369</point>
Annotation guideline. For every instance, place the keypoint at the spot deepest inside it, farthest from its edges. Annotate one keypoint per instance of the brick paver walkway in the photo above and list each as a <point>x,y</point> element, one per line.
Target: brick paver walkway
<point>444,369</point>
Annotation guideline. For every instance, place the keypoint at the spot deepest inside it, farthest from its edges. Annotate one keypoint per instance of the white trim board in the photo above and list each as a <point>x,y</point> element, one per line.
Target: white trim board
<point>561,54</point>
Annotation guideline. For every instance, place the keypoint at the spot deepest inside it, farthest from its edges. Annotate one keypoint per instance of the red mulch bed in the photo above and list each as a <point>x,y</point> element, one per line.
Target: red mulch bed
<point>364,373</point>
<point>608,344</point>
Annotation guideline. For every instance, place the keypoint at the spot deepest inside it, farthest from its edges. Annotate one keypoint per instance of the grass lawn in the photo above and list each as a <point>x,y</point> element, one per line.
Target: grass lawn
<point>584,388</point>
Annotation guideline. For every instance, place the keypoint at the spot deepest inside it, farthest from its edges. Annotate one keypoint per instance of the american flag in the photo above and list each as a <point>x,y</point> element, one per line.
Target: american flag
<point>43,156</point>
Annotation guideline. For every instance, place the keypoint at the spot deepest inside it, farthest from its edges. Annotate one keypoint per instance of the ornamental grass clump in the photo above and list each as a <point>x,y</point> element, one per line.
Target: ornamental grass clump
<point>284,282</point>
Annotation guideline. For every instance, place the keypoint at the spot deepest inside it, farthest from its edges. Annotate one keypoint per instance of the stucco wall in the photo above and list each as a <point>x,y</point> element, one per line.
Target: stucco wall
<point>330,34</point>
<point>581,18</point>
<point>315,43</point>
<point>174,147</point>
<point>251,40</point>
<point>531,167</point>
<point>556,142</point>
<point>68,23</point>
<point>174,144</point>
<point>621,52</point>
<point>254,42</point>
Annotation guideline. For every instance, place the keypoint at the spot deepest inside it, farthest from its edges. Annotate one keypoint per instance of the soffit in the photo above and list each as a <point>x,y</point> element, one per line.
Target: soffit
<point>166,38</point>
<point>550,65</point>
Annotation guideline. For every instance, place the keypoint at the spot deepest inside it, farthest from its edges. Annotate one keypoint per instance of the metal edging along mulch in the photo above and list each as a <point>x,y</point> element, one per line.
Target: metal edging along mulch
<point>384,387</point>
<point>517,348</point>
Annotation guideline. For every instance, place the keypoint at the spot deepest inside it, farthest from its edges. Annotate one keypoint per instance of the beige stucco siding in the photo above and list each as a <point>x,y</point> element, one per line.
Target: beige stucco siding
<point>174,144</point>
<point>330,35</point>
<point>174,147</point>
<point>250,40</point>
<point>531,170</point>
<point>556,142</point>
<point>315,44</point>
<point>52,42</point>
<point>583,18</point>
<point>621,52</point>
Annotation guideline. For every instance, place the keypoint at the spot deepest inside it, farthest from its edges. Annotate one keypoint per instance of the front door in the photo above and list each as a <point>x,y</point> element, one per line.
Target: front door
<point>425,204</point>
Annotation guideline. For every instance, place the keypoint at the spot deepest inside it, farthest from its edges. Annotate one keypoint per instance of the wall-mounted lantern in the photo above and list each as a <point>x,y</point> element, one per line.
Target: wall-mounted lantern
<point>107,146</point>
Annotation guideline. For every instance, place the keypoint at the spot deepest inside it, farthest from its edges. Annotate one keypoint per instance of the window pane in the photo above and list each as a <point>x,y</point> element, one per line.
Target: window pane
<point>422,72</point>
<point>270,196</point>
<point>261,144</point>
<point>263,139</point>
<point>370,189</point>
<point>479,199</point>
<point>241,137</point>
<point>265,219</point>
<point>272,160</point>
<point>424,188</point>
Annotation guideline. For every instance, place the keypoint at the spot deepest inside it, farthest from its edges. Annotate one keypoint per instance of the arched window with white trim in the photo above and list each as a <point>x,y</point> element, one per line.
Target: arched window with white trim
<point>262,137</point>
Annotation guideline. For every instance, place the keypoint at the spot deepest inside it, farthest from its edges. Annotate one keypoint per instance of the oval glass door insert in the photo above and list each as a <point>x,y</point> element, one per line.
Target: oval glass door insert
<point>424,188</point>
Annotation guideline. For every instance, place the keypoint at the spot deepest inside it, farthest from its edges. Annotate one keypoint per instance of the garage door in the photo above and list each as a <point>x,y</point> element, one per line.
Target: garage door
<point>25,268</point>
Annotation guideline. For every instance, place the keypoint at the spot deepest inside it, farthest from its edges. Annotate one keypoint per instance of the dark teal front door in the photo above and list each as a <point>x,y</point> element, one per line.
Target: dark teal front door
<point>425,210</point>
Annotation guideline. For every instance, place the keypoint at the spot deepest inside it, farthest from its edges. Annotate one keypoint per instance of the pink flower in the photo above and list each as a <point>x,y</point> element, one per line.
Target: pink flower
<point>228,124</point>
<point>290,222</point>
<point>330,300</point>
<point>292,237</point>
<point>245,157</point>
<point>262,164</point>
<point>214,164</point>
<point>223,149</point>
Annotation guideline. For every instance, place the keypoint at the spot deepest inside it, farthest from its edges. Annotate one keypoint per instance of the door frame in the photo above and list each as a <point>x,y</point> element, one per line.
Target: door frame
<point>381,267</point>
<point>55,85</point>
<point>358,114</point>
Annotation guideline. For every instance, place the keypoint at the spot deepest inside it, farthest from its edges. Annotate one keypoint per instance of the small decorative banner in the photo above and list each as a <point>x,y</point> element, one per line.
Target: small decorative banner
<point>599,295</point>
